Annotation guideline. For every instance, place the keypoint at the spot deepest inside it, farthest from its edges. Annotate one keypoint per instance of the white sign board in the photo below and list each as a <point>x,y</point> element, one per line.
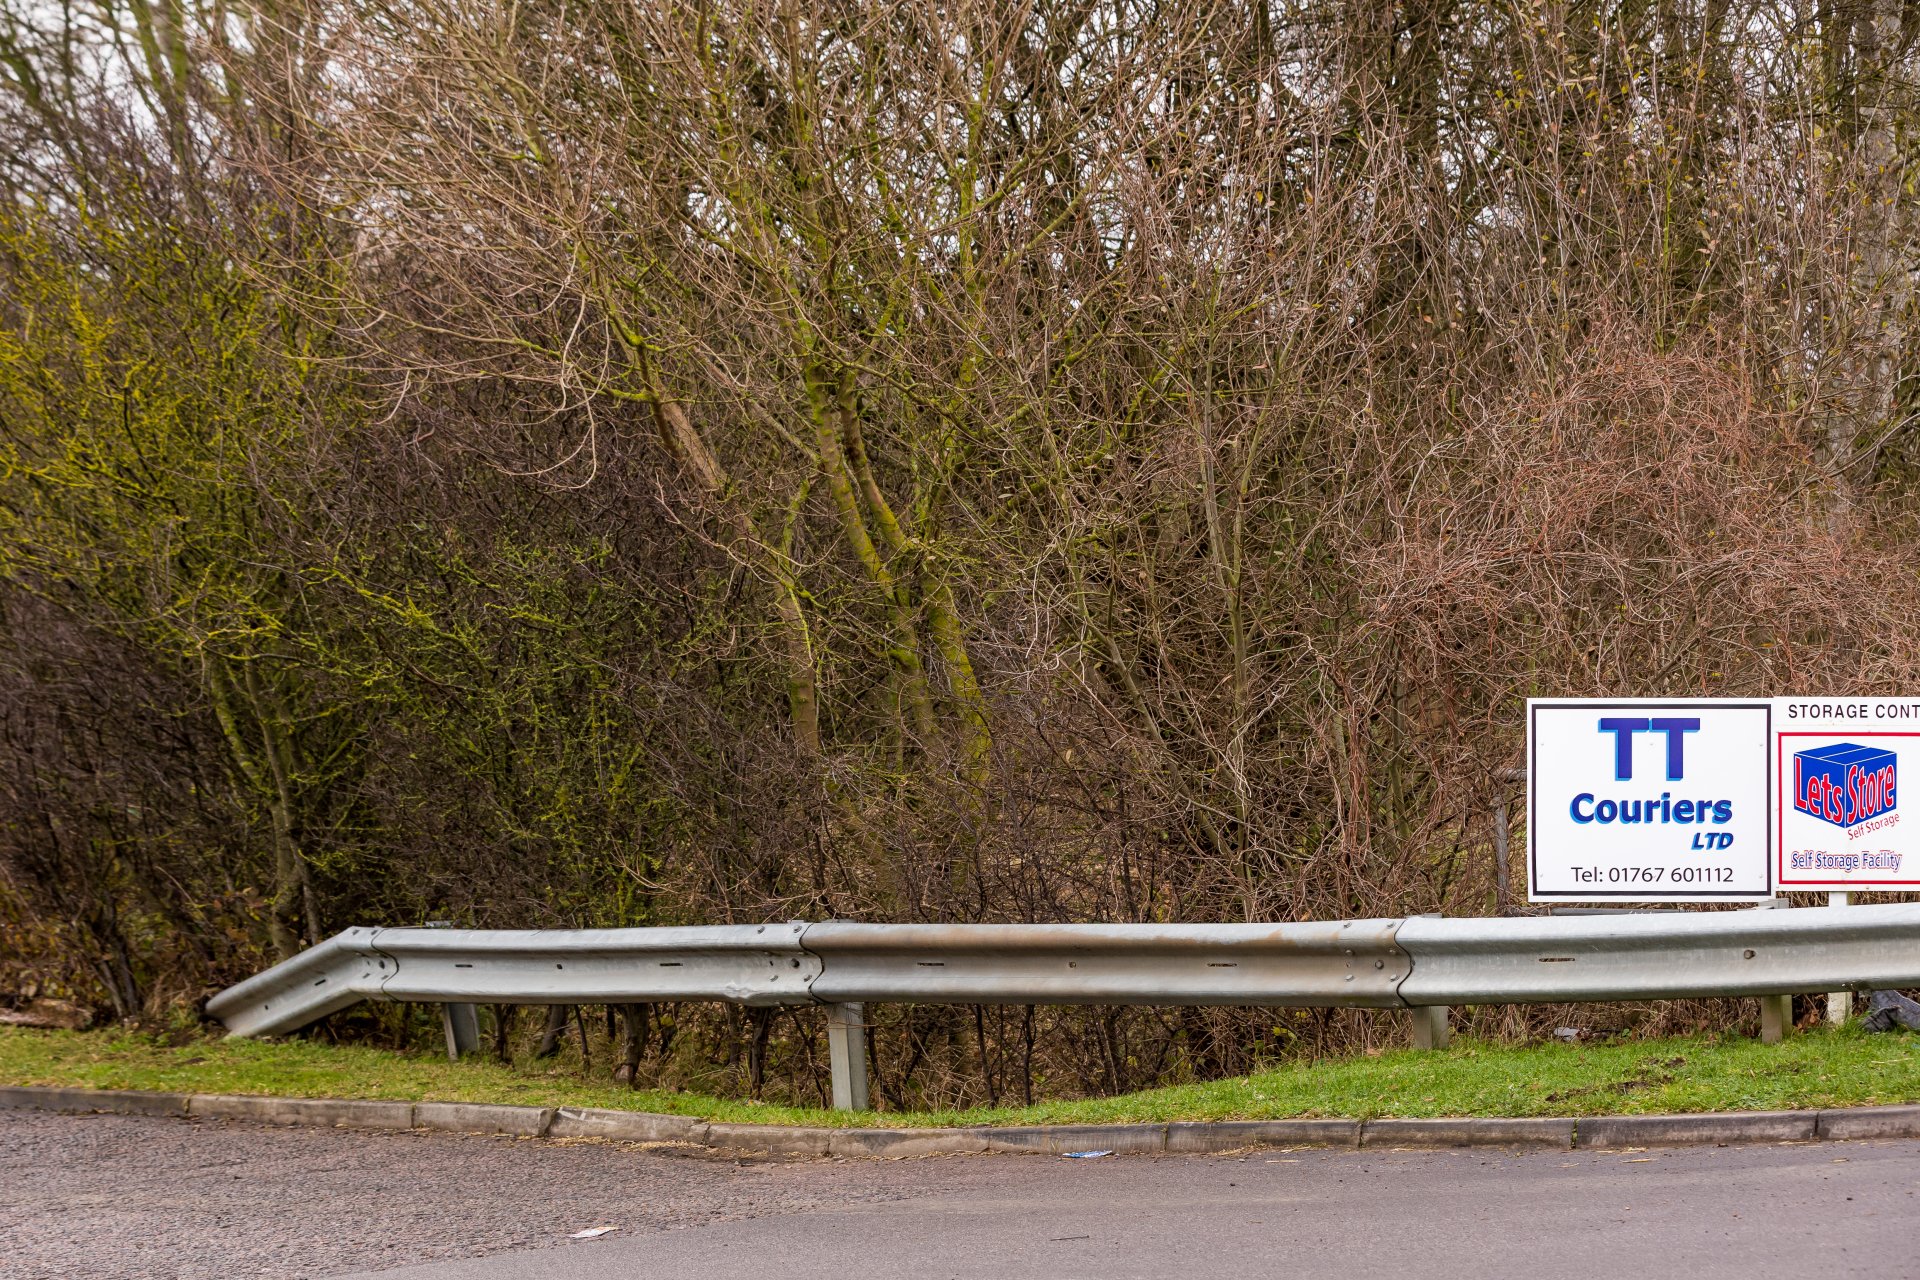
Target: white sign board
<point>1648,800</point>
<point>1839,763</point>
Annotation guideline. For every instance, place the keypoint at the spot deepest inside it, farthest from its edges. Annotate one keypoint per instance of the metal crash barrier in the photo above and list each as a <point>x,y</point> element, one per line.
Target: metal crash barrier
<point>1423,963</point>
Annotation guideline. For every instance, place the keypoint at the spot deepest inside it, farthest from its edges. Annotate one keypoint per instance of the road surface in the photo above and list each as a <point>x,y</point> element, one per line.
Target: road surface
<point>119,1197</point>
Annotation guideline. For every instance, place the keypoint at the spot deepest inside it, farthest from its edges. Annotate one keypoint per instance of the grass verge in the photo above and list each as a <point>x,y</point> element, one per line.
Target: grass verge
<point>1825,1068</point>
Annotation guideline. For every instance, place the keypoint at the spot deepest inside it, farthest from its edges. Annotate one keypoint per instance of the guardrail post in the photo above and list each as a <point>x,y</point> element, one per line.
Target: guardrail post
<point>1839,1003</point>
<point>1776,1017</point>
<point>1430,1026</point>
<point>461,1023</point>
<point>847,1055</point>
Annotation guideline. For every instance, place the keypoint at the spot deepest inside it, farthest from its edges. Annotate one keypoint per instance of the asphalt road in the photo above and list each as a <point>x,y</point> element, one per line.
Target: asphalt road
<point>107,1197</point>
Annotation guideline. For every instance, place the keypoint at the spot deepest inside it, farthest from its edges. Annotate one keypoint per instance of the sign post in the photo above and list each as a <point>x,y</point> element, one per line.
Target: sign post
<point>1839,1003</point>
<point>1649,800</point>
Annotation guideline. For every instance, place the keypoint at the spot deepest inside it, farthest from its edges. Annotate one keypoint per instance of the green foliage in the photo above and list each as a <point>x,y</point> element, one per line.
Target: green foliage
<point>142,391</point>
<point>630,463</point>
<point>1825,1068</point>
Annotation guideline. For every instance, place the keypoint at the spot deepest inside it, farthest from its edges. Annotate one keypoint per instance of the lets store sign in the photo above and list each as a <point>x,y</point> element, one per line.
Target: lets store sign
<point>1841,825</point>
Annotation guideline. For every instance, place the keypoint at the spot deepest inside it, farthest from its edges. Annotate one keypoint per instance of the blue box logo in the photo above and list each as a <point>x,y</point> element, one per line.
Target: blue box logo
<point>1844,783</point>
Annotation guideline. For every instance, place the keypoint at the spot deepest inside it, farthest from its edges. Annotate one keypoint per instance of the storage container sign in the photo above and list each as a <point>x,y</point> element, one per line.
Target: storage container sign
<point>1840,824</point>
<point>1650,801</point>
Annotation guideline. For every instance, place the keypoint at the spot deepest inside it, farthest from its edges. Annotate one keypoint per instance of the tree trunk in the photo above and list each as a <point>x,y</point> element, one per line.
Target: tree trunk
<point>760,1025</point>
<point>555,1028</point>
<point>634,1033</point>
<point>1872,335</point>
<point>504,1016</point>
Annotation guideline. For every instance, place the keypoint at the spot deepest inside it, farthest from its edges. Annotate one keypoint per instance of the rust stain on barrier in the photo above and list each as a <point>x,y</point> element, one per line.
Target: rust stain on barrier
<point>1351,963</point>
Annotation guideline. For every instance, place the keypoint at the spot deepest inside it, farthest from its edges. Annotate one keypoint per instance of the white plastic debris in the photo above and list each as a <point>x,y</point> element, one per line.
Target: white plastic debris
<point>591,1233</point>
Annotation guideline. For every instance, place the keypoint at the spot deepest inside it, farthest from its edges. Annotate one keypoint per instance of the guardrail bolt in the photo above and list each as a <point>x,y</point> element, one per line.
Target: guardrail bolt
<point>847,1055</point>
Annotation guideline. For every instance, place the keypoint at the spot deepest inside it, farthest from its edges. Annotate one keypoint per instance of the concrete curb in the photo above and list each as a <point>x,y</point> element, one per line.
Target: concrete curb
<point>1058,1139</point>
<point>1716,1129</point>
<point>626,1126</point>
<point>337,1112</point>
<point>769,1139</point>
<point>1869,1122</point>
<point>1203,1136</point>
<point>1475,1131</point>
<point>125,1102</point>
<point>1198,1137</point>
<point>908,1142</point>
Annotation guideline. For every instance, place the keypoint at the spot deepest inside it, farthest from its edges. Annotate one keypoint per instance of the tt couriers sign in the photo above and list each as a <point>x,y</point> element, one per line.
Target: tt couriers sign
<point>1839,822</point>
<point>1648,801</point>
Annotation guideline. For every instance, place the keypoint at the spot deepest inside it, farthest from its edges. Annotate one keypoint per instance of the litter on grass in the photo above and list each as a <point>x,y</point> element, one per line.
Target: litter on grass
<point>1085,1155</point>
<point>1889,1009</point>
